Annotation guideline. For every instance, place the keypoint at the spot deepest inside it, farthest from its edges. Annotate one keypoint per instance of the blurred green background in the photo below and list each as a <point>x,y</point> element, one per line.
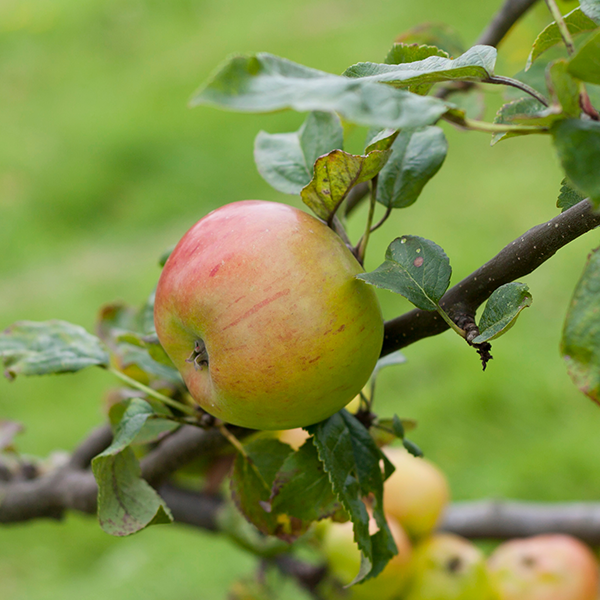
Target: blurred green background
<point>103,166</point>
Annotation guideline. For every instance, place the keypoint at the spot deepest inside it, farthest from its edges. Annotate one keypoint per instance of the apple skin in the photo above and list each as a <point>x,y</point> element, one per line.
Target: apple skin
<point>291,334</point>
<point>416,493</point>
<point>448,567</point>
<point>544,567</point>
<point>343,557</point>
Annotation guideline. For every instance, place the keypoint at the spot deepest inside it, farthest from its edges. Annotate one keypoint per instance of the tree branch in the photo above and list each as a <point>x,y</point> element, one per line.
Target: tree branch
<point>71,487</point>
<point>510,12</point>
<point>519,258</point>
<point>96,442</point>
<point>186,444</point>
<point>509,519</point>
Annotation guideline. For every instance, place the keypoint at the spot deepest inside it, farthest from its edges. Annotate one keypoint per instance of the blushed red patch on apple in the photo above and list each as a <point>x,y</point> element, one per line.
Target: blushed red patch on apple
<point>214,270</point>
<point>257,307</point>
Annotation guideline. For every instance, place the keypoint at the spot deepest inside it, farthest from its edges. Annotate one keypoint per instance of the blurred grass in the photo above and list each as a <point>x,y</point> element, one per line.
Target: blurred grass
<point>102,166</point>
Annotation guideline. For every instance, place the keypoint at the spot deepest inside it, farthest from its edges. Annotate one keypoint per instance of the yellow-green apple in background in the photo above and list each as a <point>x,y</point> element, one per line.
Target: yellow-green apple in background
<point>343,558</point>
<point>416,493</point>
<point>259,308</point>
<point>448,567</point>
<point>544,567</point>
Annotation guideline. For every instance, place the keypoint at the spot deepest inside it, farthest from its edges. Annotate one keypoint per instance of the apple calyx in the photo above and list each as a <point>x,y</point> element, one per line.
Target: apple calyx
<point>199,356</point>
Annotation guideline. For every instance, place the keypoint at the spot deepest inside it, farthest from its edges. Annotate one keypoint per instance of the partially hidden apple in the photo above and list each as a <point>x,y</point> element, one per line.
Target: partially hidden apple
<point>544,567</point>
<point>448,567</point>
<point>416,493</point>
<point>259,308</point>
<point>343,558</point>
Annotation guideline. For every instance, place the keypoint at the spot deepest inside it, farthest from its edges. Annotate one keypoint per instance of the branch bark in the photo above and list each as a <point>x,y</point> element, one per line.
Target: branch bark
<point>72,487</point>
<point>501,520</point>
<point>519,258</point>
<point>510,12</point>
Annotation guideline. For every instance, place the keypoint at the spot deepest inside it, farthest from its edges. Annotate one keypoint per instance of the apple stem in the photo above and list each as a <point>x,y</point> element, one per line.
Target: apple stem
<point>231,439</point>
<point>153,393</point>
<point>361,248</point>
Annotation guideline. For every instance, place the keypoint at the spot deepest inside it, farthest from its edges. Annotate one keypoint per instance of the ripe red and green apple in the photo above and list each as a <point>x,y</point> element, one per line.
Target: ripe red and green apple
<point>343,558</point>
<point>448,567</point>
<point>416,493</point>
<point>544,567</point>
<point>260,310</point>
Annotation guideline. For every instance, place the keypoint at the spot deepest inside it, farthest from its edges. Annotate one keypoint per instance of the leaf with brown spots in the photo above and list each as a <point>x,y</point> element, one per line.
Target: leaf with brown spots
<point>335,174</point>
<point>415,268</point>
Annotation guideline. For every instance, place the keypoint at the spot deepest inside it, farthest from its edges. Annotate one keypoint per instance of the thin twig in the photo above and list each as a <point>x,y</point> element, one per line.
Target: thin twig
<point>388,212</point>
<point>562,26</point>
<point>501,80</point>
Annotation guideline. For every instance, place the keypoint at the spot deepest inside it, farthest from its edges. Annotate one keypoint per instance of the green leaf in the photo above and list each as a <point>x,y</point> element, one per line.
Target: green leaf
<point>266,83</point>
<point>153,429</point>
<point>252,480</point>
<point>335,174</point>
<point>398,426</point>
<point>476,64</point>
<point>580,345</point>
<point>416,268</point>
<point>285,160</point>
<point>49,347</point>
<point>578,146</point>
<point>395,358</point>
<point>412,448</point>
<point>380,139</point>
<point>302,488</point>
<point>386,431</point>
<point>592,9</point>
<point>585,63</point>
<point>126,503</point>
<point>441,35</point>
<point>568,196</point>
<point>130,424</point>
<point>122,328</point>
<point>417,155</point>
<point>523,110</point>
<point>406,53</point>
<point>501,311</point>
<point>352,460</point>
<point>563,88</point>
<point>577,22</point>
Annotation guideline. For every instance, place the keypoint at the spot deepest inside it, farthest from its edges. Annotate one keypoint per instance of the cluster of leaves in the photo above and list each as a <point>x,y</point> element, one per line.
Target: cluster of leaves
<point>280,490</point>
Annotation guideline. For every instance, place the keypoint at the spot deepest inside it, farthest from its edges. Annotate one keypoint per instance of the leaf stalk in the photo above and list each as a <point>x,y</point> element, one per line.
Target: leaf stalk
<point>153,393</point>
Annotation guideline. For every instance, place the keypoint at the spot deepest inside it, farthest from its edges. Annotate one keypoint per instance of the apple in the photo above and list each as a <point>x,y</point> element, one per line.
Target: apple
<point>259,308</point>
<point>544,567</point>
<point>293,437</point>
<point>343,557</point>
<point>416,493</point>
<point>448,567</point>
